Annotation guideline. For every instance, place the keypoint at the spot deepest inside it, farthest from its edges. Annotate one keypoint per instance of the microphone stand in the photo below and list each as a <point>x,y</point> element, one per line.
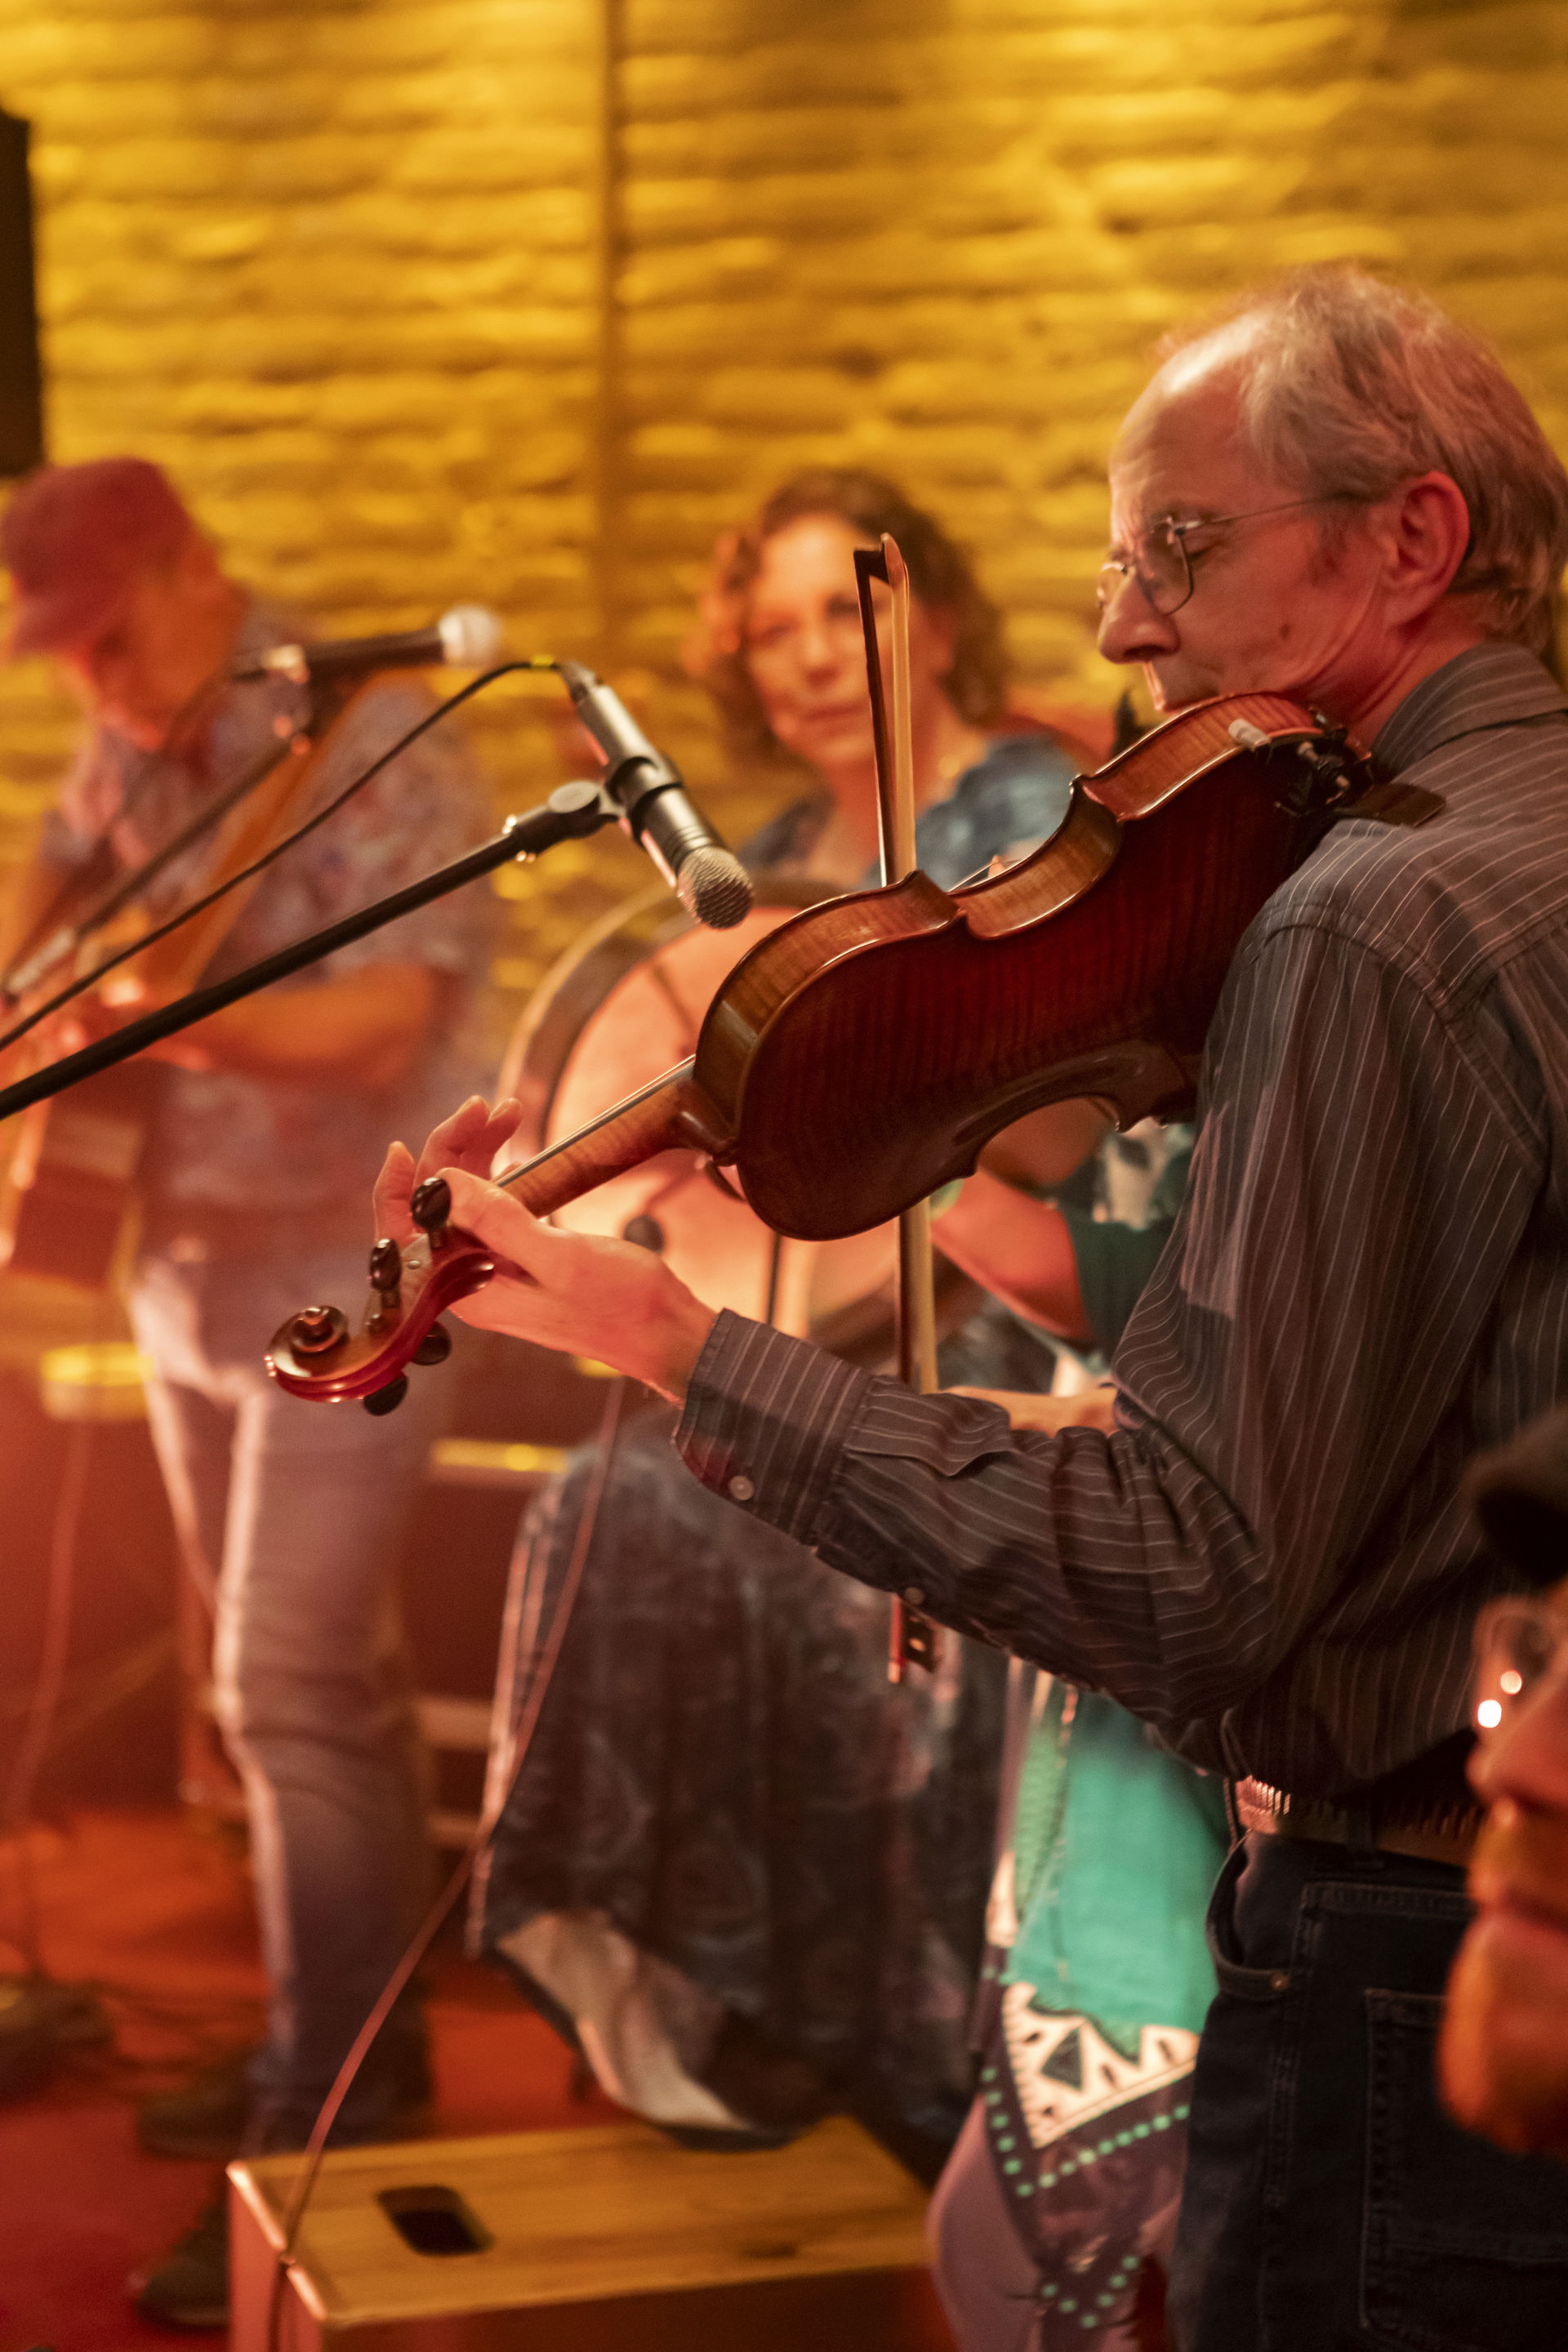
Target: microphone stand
<point>572,812</point>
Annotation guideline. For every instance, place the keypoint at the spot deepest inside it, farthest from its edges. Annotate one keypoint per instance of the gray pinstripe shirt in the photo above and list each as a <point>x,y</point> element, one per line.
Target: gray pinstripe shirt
<point>1270,1558</point>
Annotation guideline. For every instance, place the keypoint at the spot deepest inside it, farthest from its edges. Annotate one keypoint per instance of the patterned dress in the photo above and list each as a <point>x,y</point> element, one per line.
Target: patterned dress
<point>792,1856</point>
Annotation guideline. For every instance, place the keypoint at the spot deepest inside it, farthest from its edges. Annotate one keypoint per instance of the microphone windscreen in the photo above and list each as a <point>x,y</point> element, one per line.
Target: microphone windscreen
<point>471,636</point>
<point>714,886</point>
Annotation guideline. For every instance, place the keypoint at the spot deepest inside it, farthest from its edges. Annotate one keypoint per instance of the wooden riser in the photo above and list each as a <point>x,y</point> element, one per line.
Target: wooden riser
<point>602,2239</point>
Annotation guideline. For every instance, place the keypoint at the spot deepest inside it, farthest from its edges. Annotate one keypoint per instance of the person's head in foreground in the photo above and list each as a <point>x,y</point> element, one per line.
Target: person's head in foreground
<point>1328,492</point>
<point>1505,2036</point>
<point>111,576</point>
<point>779,644</point>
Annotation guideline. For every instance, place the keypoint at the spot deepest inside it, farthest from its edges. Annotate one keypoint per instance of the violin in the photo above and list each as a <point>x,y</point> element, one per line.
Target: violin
<point>622,1004</point>
<point>865,1052</point>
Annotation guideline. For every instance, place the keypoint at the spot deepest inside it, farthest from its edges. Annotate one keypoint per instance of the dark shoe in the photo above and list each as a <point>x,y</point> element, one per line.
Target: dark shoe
<point>209,2118</point>
<point>189,2288</point>
<point>205,2118</point>
<point>775,2092</point>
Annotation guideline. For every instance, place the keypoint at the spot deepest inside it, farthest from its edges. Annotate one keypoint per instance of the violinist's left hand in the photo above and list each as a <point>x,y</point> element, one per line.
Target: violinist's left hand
<point>581,1292</point>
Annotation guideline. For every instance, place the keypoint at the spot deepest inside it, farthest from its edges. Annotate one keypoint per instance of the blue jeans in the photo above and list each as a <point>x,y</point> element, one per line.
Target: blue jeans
<point>1329,2203</point>
<point>294,1514</point>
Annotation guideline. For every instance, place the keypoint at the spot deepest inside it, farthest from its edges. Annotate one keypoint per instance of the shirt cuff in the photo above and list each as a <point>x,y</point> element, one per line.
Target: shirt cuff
<point>765,1422</point>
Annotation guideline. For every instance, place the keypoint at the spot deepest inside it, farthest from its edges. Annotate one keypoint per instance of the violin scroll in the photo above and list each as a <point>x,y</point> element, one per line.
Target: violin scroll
<point>317,1330</point>
<point>316,1355</point>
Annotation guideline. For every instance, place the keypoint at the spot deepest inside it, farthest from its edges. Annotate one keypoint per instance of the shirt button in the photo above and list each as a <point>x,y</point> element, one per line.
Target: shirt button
<point>1280,1980</point>
<point>741,1489</point>
<point>915,1595</point>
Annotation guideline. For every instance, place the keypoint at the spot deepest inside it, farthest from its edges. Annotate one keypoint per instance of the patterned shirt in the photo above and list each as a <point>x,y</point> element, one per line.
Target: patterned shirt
<point>1270,1558</point>
<point>227,1140</point>
<point>1013,797</point>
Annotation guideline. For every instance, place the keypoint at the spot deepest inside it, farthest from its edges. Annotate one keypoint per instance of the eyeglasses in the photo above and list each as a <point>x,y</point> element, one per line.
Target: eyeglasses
<point>1162,562</point>
<point>1518,1642</point>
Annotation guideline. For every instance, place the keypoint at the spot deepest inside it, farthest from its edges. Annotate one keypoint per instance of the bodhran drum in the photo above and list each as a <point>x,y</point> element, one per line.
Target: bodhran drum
<point>624,1004</point>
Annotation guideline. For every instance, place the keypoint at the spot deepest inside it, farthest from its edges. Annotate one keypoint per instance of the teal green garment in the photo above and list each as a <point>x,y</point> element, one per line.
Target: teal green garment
<point>1113,1856</point>
<point>1115,1261</point>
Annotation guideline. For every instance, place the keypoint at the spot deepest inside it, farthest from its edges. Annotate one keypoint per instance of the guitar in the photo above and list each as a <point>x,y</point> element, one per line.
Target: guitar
<point>67,1198</point>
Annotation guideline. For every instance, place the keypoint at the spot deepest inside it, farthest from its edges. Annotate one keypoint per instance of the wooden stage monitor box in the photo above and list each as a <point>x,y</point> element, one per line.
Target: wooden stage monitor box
<point>607,2239</point>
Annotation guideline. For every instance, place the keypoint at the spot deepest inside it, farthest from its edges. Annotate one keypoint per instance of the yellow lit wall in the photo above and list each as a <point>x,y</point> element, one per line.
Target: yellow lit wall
<point>525,298</point>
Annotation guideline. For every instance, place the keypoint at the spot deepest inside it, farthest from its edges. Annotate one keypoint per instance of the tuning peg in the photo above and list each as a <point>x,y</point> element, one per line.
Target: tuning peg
<point>436,1345</point>
<point>388,1399</point>
<point>646,1231</point>
<point>317,1330</point>
<point>385,1267</point>
<point>430,1208</point>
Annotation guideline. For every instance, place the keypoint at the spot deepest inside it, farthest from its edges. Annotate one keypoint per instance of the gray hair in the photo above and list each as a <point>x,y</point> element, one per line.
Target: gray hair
<point>1349,386</point>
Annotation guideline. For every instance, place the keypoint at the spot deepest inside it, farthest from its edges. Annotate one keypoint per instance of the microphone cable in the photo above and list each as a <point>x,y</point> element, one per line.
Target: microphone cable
<point>541,1674</point>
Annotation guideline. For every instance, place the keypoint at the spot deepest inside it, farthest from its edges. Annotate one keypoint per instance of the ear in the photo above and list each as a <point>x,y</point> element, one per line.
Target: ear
<point>1429,535</point>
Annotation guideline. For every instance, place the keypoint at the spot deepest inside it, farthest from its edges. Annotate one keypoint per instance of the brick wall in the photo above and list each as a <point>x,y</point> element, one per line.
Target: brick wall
<point>338,265</point>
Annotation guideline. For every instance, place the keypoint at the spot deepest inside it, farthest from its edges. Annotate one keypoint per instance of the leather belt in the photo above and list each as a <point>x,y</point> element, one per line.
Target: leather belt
<point>1449,1836</point>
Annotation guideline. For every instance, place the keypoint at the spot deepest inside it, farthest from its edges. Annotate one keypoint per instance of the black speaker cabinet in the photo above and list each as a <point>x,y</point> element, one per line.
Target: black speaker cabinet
<point>21,374</point>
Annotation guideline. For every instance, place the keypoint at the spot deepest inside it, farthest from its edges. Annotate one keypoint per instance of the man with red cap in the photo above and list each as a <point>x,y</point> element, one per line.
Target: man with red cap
<point>267,1130</point>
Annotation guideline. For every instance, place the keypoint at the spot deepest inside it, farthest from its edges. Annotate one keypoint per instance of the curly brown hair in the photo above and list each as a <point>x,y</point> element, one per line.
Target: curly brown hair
<point>940,575</point>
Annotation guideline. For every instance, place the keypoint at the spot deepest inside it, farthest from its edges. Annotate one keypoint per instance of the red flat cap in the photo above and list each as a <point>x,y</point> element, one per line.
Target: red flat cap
<point>73,539</point>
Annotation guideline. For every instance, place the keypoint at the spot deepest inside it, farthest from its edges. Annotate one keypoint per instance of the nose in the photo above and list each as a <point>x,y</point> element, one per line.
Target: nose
<point>819,649</point>
<point>1131,630</point>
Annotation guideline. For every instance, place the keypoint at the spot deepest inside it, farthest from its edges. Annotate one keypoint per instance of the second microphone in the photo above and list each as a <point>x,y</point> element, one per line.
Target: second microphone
<point>708,877</point>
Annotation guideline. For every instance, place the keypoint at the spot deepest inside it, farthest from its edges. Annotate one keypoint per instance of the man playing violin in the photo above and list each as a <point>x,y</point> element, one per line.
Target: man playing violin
<point>1336,494</point>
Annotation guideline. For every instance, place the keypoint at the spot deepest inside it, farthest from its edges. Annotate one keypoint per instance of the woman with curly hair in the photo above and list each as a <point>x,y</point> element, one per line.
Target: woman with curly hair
<point>747,1876</point>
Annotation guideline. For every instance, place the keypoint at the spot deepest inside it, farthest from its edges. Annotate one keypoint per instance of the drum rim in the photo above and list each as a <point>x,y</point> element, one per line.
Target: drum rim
<point>579,983</point>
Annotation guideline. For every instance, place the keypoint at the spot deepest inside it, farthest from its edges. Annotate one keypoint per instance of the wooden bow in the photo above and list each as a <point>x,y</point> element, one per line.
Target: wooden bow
<point>915,1638</point>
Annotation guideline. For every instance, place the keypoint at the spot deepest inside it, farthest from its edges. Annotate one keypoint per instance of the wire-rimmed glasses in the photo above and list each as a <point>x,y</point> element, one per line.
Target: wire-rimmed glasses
<point>1518,1642</point>
<point>1161,561</point>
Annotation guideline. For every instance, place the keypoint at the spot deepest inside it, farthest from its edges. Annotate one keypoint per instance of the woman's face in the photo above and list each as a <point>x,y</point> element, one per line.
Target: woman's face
<point>803,650</point>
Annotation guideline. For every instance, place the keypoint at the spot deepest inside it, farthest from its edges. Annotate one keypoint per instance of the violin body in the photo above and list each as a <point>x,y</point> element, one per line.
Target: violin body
<point>865,1050</point>
<point>623,1006</point>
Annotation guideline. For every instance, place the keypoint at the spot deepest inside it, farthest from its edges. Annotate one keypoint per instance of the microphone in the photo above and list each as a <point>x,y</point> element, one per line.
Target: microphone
<point>709,880</point>
<point>468,638</point>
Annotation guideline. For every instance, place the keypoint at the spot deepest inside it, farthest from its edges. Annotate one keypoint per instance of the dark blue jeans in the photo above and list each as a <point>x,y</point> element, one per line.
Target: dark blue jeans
<point>1329,2203</point>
